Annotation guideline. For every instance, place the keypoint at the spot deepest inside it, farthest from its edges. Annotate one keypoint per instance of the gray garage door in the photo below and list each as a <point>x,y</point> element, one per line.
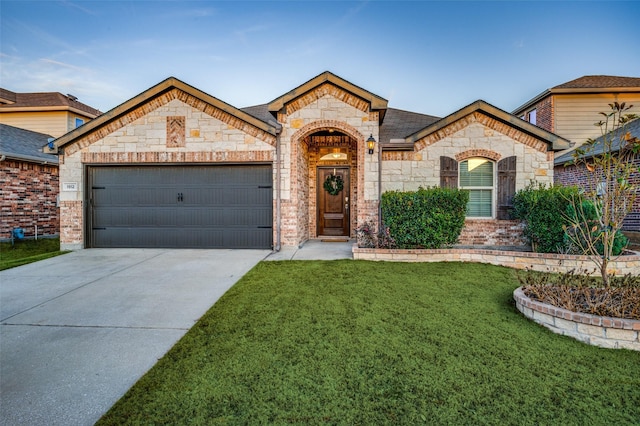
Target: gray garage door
<point>181,206</point>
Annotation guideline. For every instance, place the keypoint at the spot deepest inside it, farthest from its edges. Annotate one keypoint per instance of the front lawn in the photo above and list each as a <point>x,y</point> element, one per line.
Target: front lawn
<point>371,343</point>
<point>28,251</point>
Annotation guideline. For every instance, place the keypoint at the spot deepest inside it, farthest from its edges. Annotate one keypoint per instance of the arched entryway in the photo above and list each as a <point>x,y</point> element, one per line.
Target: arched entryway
<point>332,180</point>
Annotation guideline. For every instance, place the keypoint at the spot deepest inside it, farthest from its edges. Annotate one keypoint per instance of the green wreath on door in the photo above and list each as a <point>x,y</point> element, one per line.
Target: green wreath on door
<point>333,184</point>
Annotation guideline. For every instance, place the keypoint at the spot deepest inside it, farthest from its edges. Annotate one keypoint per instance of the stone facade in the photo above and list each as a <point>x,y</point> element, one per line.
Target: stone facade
<point>475,135</point>
<point>29,193</point>
<point>173,123</point>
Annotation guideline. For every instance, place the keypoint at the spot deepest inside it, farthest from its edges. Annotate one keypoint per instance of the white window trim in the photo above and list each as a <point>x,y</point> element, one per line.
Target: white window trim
<point>494,189</point>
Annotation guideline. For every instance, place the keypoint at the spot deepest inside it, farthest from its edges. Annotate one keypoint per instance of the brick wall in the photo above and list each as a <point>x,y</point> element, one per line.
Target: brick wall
<point>29,198</point>
<point>492,233</point>
<point>544,116</point>
<point>573,175</point>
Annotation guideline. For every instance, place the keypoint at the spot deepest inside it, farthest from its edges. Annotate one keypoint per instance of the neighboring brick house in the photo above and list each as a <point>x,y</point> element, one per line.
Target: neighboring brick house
<point>176,167</point>
<point>569,174</point>
<point>571,109</point>
<point>48,112</point>
<point>30,177</point>
<point>28,183</point>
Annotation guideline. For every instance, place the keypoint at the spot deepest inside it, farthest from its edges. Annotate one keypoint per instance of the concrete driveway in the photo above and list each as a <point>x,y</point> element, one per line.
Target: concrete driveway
<point>78,330</point>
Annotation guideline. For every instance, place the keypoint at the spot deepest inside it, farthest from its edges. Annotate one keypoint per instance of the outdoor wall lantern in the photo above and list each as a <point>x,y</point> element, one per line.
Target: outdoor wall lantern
<point>371,143</point>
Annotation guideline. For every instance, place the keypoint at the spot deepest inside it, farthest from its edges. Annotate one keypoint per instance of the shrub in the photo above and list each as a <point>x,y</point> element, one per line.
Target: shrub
<point>584,293</point>
<point>426,218</point>
<point>587,219</point>
<point>543,210</point>
<point>369,238</point>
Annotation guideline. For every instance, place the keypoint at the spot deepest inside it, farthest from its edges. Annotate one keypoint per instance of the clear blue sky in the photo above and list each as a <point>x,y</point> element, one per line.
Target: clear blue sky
<point>423,56</point>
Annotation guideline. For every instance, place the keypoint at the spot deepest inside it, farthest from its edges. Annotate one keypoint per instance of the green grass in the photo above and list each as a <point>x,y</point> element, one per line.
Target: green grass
<point>28,251</point>
<point>373,343</point>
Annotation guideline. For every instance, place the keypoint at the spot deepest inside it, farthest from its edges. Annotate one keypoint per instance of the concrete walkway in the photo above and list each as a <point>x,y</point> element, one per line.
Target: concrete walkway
<point>78,330</point>
<point>316,250</point>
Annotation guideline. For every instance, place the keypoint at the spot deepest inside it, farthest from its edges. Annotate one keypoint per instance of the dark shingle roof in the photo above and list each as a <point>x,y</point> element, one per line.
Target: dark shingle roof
<point>600,82</point>
<point>24,145</point>
<point>399,124</point>
<point>43,99</point>
<point>261,112</point>
<point>633,127</point>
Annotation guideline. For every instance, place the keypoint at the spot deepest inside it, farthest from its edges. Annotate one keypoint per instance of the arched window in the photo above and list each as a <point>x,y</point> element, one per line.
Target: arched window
<point>477,176</point>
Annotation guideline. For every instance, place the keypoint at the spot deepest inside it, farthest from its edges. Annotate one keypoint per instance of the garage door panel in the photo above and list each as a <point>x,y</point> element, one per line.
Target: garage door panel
<point>174,206</point>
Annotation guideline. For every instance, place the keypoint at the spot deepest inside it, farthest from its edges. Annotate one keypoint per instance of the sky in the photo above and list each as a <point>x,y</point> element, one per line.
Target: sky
<point>424,56</point>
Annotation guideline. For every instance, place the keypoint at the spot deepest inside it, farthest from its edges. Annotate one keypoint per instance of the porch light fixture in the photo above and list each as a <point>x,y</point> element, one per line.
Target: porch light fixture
<point>371,143</point>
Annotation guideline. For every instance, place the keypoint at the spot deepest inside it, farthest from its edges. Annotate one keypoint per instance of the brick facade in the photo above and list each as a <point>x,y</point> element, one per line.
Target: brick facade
<point>578,175</point>
<point>29,193</point>
<point>179,125</point>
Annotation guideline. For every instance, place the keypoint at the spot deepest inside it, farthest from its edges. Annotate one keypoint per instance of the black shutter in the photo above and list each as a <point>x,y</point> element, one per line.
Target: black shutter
<point>506,186</point>
<point>448,172</point>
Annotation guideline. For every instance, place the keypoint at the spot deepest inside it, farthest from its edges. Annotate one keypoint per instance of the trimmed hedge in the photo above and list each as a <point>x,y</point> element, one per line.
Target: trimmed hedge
<point>427,218</point>
<point>543,209</point>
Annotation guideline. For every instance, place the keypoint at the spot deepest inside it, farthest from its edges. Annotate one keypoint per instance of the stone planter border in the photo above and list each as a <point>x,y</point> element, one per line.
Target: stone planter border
<point>605,332</point>
<point>543,262</point>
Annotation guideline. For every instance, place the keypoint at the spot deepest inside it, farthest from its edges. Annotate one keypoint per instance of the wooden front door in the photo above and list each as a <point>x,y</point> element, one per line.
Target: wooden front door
<point>333,210</point>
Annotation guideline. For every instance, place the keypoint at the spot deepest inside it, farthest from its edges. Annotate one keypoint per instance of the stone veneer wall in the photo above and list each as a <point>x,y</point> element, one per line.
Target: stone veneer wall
<point>325,108</point>
<point>606,332</point>
<point>475,134</point>
<point>543,262</point>
<point>29,198</point>
<point>211,136</point>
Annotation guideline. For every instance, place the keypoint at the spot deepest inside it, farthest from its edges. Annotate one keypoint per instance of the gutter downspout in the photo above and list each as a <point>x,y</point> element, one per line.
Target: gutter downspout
<point>379,185</point>
<point>278,245</point>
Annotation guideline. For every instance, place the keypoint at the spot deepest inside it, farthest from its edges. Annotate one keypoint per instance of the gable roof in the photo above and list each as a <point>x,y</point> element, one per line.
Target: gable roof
<point>633,127</point>
<point>376,102</point>
<point>154,92</point>
<point>586,84</point>
<point>43,101</point>
<point>25,145</point>
<point>555,142</point>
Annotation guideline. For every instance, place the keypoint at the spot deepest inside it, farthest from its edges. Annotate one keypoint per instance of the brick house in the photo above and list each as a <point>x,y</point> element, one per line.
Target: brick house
<point>571,109</point>
<point>28,183</point>
<point>29,177</point>
<point>45,112</point>
<point>569,174</point>
<point>176,167</point>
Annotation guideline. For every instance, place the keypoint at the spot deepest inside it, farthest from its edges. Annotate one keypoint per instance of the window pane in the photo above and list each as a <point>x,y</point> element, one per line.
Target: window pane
<point>479,203</point>
<point>476,172</point>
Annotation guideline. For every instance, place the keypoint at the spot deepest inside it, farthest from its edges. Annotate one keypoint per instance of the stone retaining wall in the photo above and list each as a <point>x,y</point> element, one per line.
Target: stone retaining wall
<point>543,262</point>
<point>594,330</point>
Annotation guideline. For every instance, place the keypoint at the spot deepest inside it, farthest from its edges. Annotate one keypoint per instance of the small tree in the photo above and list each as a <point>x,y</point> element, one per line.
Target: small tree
<point>608,164</point>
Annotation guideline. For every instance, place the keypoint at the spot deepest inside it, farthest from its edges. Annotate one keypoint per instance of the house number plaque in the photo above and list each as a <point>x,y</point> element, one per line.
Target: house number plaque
<point>69,186</point>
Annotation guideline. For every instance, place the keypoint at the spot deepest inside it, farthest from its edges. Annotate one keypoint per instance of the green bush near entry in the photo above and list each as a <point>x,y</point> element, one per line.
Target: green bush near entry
<point>543,210</point>
<point>427,218</point>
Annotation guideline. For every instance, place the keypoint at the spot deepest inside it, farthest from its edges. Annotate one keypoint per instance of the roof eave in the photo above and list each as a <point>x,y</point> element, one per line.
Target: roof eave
<point>522,108</point>
<point>556,143</point>
<point>52,108</point>
<point>154,92</point>
<point>566,90</point>
<point>30,158</point>
<point>376,102</point>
